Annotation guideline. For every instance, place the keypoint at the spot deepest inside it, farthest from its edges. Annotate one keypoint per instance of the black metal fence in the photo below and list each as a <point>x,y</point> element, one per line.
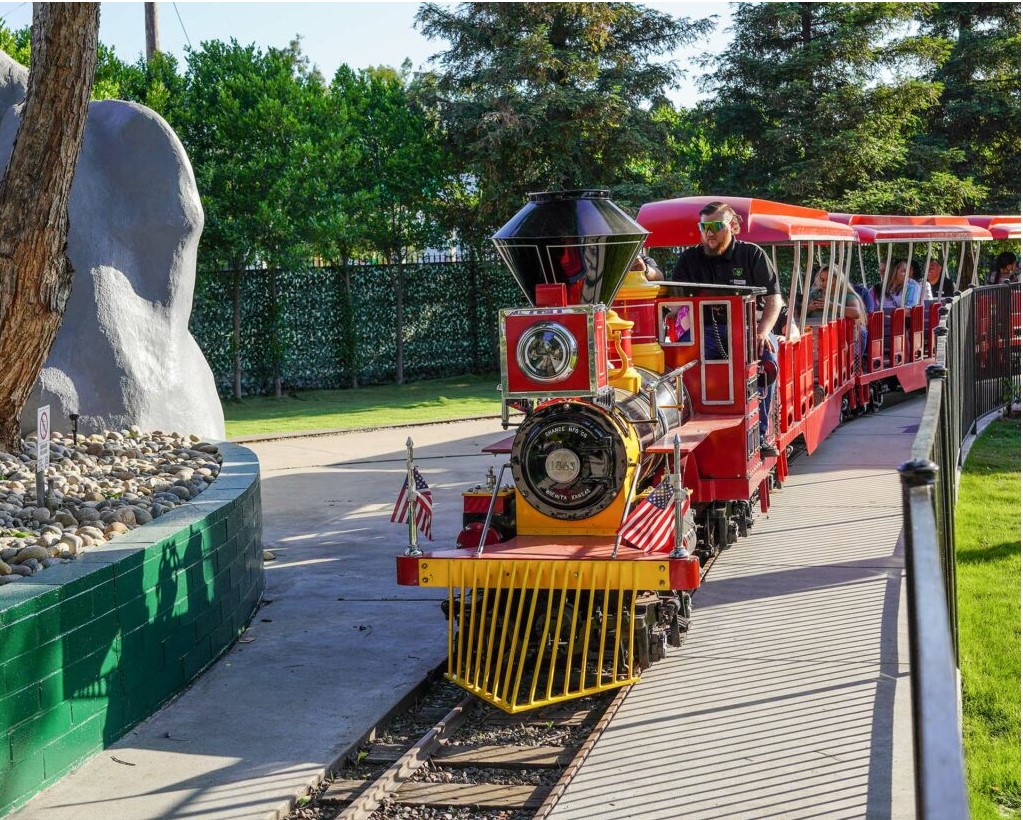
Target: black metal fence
<point>977,371</point>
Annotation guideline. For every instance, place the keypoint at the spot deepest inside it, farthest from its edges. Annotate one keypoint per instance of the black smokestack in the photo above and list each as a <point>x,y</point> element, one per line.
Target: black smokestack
<point>577,238</point>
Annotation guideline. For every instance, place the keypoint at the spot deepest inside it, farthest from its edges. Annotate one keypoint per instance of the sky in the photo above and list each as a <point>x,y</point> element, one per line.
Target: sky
<point>359,34</point>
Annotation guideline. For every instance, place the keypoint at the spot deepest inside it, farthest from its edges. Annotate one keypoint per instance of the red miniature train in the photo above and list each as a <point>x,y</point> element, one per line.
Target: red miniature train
<point>629,414</point>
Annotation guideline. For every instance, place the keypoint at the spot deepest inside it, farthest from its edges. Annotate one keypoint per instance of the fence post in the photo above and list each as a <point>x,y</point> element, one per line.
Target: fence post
<point>236,333</point>
<point>946,450</point>
<point>937,741</point>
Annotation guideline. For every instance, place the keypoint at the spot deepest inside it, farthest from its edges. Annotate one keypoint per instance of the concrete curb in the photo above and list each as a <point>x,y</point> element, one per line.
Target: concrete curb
<point>346,431</point>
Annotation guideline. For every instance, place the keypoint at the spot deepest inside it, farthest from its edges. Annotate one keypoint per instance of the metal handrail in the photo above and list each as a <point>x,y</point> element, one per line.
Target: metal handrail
<point>976,371</point>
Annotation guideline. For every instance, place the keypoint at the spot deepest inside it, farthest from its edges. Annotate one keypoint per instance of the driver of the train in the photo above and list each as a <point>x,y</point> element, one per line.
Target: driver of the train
<point>723,259</point>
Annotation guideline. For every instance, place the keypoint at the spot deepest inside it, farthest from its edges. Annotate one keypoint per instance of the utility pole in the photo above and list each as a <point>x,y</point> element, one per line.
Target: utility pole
<point>152,31</point>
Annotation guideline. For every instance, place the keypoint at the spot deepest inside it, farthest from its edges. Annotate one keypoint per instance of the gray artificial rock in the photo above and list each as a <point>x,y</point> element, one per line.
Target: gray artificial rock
<point>124,355</point>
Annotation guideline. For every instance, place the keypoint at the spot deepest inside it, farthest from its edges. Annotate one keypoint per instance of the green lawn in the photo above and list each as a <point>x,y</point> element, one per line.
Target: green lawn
<point>988,578</point>
<point>377,406</point>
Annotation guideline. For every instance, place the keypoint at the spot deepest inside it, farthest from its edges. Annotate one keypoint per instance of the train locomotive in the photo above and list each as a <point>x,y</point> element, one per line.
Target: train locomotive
<point>546,601</point>
<point>638,456</point>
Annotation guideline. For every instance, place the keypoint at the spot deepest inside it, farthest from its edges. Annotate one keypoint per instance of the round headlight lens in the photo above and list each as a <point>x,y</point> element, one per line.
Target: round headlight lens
<point>547,352</point>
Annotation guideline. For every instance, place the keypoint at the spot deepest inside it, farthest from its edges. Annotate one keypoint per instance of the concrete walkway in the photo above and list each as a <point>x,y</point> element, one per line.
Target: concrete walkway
<point>790,697</point>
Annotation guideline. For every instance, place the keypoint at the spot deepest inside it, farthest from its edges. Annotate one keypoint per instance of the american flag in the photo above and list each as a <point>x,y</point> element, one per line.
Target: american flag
<point>424,505</point>
<point>651,524</point>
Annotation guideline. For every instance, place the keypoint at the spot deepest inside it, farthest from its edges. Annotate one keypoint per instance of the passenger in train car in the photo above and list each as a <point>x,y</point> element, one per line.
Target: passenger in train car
<point>648,267</point>
<point>926,292</point>
<point>723,259</point>
<point>1006,269</point>
<point>828,276</point>
<point>898,281</point>
<point>948,287</point>
<point>866,297</point>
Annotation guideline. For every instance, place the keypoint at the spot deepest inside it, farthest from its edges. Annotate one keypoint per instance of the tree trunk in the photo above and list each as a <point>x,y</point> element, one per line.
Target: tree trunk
<point>475,285</point>
<point>352,329</point>
<point>399,308</point>
<point>35,274</point>
<point>276,342</point>
<point>236,334</point>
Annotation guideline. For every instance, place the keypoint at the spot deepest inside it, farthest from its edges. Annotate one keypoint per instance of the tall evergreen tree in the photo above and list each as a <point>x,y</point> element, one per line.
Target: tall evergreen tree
<point>547,95</point>
<point>975,129</point>
<point>817,103</point>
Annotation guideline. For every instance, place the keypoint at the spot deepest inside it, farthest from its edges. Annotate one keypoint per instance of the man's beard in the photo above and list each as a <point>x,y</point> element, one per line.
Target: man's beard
<point>719,250</point>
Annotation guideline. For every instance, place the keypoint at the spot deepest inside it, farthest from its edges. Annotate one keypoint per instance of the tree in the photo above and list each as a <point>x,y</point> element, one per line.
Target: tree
<point>154,83</point>
<point>675,161</point>
<point>546,95</point>
<point>17,44</point>
<point>815,101</point>
<point>248,120</point>
<point>35,273</point>
<point>402,169</point>
<point>974,130</point>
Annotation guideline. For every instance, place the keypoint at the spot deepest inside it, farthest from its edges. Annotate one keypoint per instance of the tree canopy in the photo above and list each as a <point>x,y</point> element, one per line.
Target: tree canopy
<point>974,129</point>
<point>882,107</point>
<point>865,107</point>
<point>549,95</point>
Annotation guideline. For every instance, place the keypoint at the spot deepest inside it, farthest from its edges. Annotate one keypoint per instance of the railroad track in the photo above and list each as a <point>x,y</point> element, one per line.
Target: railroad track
<point>453,756</point>
<point>473,763</point>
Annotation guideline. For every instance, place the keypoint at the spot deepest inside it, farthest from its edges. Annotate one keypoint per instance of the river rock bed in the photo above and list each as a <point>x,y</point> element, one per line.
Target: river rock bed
<point>105,485</point>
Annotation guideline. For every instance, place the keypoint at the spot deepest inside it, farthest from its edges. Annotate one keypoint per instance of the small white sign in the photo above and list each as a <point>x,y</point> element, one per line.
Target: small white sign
<point>43,438</point>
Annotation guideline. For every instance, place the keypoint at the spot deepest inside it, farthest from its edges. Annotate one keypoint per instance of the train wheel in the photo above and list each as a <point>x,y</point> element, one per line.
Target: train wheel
<point>876,397</point>
<point>744,516</point>
<point>720,526</point>
<point>675,632</point>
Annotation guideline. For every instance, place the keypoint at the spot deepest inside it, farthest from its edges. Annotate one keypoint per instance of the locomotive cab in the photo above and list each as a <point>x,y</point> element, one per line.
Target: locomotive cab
<point>713,328</point>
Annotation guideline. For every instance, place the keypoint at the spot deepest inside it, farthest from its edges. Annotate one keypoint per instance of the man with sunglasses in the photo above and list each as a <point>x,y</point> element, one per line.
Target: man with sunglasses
<point>722,259</point>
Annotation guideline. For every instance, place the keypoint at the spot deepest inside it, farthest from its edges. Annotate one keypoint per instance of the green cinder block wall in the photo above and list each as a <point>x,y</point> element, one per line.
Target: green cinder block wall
<point>90,648</point>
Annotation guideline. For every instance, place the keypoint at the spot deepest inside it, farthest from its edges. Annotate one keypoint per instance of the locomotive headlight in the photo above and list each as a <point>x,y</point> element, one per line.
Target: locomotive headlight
<point>547,352</point>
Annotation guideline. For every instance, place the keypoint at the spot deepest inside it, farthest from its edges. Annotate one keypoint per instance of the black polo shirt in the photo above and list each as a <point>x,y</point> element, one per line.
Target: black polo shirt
<point>742,264</point>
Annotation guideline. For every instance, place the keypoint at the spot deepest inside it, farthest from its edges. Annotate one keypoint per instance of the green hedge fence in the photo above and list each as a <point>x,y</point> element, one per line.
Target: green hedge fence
<point>330,327</point>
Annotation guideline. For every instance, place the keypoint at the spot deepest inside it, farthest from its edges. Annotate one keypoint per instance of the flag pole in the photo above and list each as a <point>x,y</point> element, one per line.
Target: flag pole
<point>413,539</point>
<point>625,512</point>
<point>676,486</point>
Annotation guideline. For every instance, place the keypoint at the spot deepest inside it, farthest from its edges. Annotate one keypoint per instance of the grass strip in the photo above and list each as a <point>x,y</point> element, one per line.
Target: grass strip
<point>376,406</point>
<point>988,580</point>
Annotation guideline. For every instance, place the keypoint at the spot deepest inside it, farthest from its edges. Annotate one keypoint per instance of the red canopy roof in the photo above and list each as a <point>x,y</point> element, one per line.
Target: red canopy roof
<point>1000,227</point>
<point>673,222</point>
<point>872,228</point>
